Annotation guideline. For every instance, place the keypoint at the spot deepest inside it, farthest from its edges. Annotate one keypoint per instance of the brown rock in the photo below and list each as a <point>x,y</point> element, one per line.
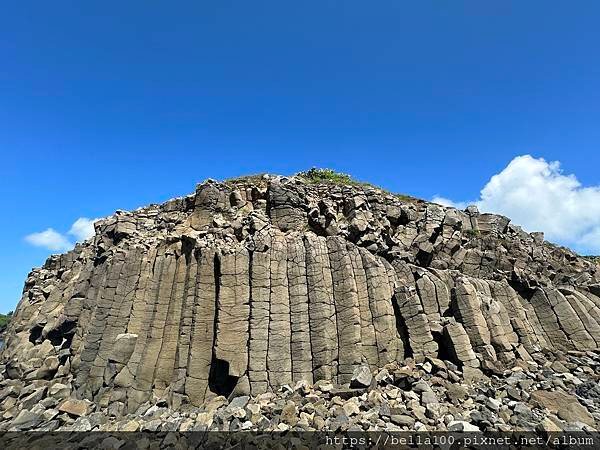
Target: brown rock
<point>76,407</point>
<point>564,405</point>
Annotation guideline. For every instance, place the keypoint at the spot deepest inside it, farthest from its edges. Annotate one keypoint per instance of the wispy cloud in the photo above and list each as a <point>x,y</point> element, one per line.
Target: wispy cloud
<point>50,239</point>
<point>537,195</point>
<point>447,202</point>
<point>82,229</point>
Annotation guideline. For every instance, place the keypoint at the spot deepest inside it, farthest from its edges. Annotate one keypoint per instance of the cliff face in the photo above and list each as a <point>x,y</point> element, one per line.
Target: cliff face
<point>252,284</point>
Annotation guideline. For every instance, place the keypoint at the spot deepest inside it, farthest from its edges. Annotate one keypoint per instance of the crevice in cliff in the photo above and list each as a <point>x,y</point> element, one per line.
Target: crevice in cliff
<point>444,352</point>
<point>268,198</point>
<point>219,380</point>
<point>183,335</point>
<point>521,287</point>
<point>35,334</point>
<point>66,331</point>
<point>402,329</point>
<point>424,258</point>
<point>310,325</point>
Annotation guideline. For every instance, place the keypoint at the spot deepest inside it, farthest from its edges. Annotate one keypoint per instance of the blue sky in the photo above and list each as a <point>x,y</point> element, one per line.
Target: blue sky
<point>114,105</point>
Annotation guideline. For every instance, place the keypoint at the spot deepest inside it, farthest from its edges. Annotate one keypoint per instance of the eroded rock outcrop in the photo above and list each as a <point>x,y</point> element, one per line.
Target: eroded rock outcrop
<point>248,285</point>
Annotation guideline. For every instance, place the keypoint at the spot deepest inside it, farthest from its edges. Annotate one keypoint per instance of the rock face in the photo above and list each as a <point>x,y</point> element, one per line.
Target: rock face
<point>250,285</point>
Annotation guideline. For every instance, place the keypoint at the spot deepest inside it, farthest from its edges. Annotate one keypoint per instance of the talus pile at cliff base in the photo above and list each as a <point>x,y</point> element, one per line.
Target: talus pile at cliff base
<point>262,283</point>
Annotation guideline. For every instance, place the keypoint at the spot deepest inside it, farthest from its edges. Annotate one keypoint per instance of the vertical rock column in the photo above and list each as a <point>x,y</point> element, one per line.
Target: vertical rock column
<point>442,281</point>
<point>139,323</point>
<point>259,317</point>
<point>532,318</point>
<point>300,326</point>
<point>165,367</point>
<point>458,345</point>
<point>517,315</point>
<point>427,293</point>
<point>417,324</point>
<point>88,333</point>
<point>187,319</point>
<point>468,312</point>
<point>279,358</point>
<point>233,312</point>
<point>120,315</point>
<point>203,324</point>
<point>548,321</point>
<point>502,336</point>
<point>569,321</point>
<point>347,309</point>
<point>75,309</point>
<point>145,376</point>
<point>380,301</point>
<point>369,349</point>
<point>587,312</point>
<point>322,319</point>
<point>95,354</point>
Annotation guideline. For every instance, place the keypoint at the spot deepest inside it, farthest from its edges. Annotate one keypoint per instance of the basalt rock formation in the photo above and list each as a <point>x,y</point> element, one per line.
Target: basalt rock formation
<point>248,285</point>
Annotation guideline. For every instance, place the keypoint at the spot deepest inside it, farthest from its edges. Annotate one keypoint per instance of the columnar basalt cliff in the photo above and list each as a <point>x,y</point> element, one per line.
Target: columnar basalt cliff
<point>248,285</point>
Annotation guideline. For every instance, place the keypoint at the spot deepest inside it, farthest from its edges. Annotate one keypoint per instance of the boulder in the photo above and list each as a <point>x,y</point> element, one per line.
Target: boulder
<point>76,407</point>
<point>27,420</point>
<point>566,406</point>
<point>462,426</point>
<point>123,347</point>
<point>361,377</point>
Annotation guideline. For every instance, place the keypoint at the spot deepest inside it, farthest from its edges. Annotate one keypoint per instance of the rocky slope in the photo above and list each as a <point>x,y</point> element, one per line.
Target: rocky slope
<point>251,285</point>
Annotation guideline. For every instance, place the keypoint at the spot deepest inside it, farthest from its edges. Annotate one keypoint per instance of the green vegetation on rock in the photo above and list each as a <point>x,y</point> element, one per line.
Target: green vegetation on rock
<point>471,233</point>
<point>4,320</point>
<point>329,176</point>
<point>326,176</point>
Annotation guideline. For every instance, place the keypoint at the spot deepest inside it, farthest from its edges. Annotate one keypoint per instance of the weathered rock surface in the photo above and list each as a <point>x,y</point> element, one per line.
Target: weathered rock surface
<point>250,285</point>
<point>403,397</point>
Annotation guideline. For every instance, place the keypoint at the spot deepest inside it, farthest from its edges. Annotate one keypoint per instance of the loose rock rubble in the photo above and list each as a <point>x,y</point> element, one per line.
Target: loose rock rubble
<point>429,396</point>
<point>319,306</point>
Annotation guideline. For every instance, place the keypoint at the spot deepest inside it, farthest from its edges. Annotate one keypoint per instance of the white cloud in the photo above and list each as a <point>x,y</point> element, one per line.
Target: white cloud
<point>537,195</point>
<point>82,229</point>
<point>447,202</point>
<point>50,239</point>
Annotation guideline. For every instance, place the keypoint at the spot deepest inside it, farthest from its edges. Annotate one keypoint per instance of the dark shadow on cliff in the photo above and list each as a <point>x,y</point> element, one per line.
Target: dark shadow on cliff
<point>219,380</point>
